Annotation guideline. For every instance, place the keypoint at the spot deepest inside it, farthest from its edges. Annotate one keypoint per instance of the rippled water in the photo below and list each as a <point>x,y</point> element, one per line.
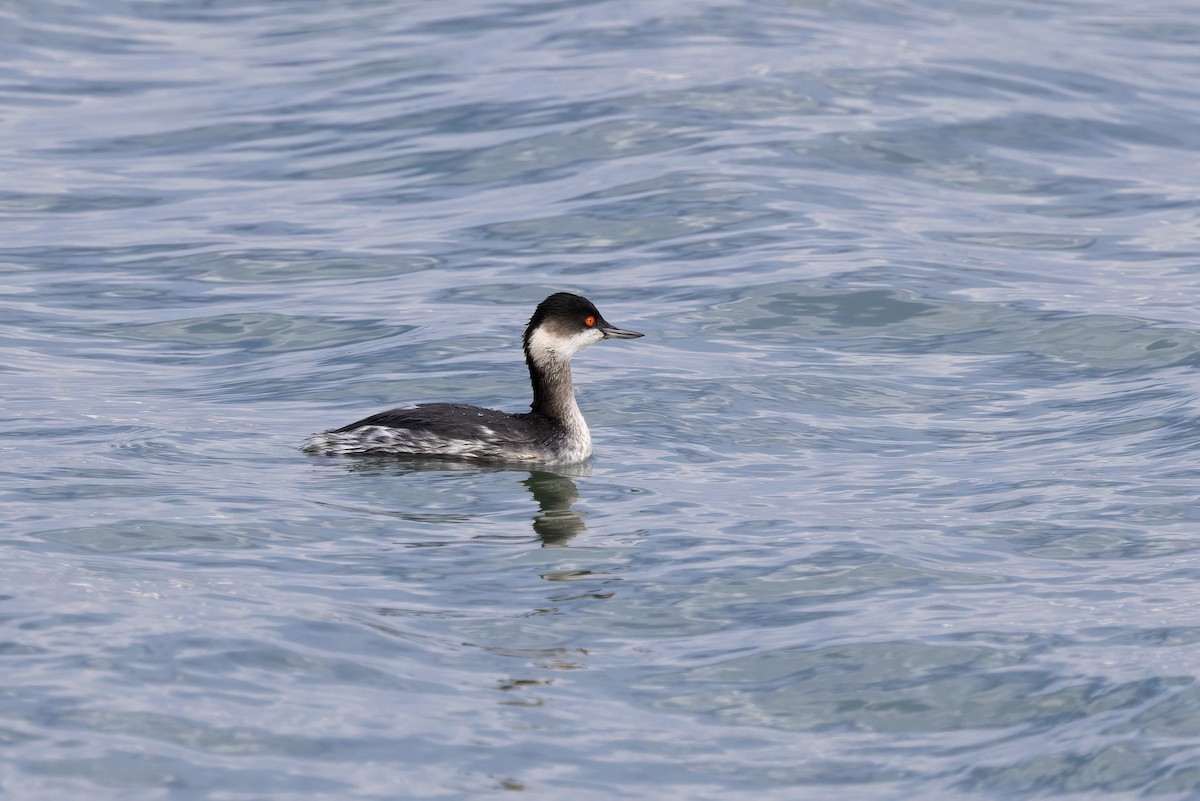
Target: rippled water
<point>896,499</point>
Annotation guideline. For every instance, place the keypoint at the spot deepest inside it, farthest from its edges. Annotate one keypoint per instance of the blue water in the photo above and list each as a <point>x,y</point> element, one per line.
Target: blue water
<point>897,498</point>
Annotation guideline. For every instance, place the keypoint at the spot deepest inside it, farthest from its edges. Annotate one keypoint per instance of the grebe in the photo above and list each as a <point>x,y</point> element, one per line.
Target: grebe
<point>551,432</point>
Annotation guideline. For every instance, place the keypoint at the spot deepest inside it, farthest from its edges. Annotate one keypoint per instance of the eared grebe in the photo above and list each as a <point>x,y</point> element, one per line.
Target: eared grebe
<point>552,432</point>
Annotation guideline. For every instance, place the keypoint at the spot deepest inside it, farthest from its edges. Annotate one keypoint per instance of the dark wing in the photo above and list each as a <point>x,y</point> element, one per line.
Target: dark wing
<point>456,421</point>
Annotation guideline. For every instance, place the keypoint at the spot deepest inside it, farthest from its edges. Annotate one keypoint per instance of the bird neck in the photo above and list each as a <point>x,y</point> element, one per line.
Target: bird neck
<point>553,390</point>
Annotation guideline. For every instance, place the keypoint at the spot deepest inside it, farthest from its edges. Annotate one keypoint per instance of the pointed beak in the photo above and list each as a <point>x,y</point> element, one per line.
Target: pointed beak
<point>617,333</point>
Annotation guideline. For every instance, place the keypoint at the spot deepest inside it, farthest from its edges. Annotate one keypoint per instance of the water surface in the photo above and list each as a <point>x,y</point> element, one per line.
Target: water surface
<point>896,499</point>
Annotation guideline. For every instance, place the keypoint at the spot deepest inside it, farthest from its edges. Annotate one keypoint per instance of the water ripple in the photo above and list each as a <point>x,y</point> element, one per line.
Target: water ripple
<point>897,497</point>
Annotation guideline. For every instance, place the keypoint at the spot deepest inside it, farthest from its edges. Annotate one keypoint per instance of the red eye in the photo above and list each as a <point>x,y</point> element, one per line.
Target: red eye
<point>589,321</point>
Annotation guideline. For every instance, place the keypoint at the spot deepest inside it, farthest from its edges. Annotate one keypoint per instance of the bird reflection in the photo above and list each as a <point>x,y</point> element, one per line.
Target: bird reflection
<point>554,522</point>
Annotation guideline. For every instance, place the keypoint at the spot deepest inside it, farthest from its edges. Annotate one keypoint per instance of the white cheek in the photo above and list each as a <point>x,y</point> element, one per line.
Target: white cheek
<point>577,342</point>
<point>547,347</point>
